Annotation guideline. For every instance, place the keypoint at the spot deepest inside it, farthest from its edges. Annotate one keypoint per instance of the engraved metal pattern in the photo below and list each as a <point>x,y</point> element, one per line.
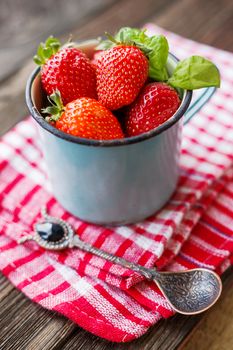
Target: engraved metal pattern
<point>189,292</point>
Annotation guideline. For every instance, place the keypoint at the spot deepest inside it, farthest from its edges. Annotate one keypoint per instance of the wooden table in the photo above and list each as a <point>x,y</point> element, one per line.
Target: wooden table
<point>24,325</point>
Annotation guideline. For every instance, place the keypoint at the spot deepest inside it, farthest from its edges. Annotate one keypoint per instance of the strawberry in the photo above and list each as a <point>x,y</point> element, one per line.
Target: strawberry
<point>121,72</point>
<point>156,103</point>
<point>67,70</point>
<point>83,117</point>
<point>96,57</point>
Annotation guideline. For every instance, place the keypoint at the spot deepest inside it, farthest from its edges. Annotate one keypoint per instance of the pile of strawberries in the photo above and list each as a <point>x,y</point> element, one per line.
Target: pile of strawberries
<point>109,96</point>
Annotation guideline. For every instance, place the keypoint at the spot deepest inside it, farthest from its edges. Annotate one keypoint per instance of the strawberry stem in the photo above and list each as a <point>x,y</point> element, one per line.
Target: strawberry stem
<point>46,50</point>
<point>56,109</point>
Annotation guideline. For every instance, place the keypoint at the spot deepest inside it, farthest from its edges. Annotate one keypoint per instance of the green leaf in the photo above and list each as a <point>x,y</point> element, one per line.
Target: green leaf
<point>56,108</point>
<point>158,57</point>
<point>51,41</point>
<point>37,60</point>
<point>40,50</point>
<point>195,72</point>
<point>53,44</point>
<point>46,50</point>
<point>55,99</point>
<point>51,110</point>
<point>129,35</point>
<point>160,50</point>
<point>157,73</point>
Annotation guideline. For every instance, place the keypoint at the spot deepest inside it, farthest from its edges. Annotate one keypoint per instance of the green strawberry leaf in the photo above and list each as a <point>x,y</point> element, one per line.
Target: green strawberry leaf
<point>37,60</point>
<point>40,50</point>
<point>53,42</point>
<point>56,100</point>
<point>56,107</point>
<point>46,50</point>
<point>195,72</point>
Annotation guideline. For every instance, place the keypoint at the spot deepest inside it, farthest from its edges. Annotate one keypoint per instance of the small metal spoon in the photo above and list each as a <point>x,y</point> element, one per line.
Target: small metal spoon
<point>188,292</point>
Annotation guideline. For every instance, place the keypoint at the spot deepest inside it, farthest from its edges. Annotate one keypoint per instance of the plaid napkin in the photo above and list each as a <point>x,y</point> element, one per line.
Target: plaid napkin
<point>193,229</point>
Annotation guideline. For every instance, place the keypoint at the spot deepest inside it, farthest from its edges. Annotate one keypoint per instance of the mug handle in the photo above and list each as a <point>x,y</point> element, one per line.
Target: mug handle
<point>198,102</point>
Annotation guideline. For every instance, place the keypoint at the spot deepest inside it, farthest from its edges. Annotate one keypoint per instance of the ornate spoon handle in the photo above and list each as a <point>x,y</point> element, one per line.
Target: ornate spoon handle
<point>148,273</point>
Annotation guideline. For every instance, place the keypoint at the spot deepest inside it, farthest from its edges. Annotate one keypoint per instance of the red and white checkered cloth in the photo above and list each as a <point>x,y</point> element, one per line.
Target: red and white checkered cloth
<point>195,228</point>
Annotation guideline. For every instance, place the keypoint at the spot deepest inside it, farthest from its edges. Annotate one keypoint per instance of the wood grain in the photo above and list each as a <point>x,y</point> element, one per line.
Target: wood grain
<point>23,324</point>
<point>209,22</point>
<point>36,21</point>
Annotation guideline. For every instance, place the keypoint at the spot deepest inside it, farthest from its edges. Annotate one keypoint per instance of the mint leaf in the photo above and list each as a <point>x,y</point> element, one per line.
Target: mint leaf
<point>158,74</point>
<point>158,57</point>
<point>195,72</point>
<point>129,35</point>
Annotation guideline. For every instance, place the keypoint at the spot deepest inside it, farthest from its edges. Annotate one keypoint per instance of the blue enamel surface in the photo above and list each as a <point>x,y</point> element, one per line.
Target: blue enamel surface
<point>114,185</point>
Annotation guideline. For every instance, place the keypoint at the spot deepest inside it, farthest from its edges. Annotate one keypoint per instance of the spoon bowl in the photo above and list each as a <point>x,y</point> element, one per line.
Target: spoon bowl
<point>190,292</point>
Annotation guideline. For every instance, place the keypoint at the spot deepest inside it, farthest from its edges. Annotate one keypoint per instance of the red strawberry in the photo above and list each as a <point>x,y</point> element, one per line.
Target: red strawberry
<point>121,73</point>
<point>156,103</point>
<point>67,70</point>
<point>84,117</point>
<point>96,57</point>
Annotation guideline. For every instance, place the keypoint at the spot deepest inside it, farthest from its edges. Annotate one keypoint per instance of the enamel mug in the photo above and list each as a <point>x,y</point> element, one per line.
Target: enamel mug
<point>113,182</point>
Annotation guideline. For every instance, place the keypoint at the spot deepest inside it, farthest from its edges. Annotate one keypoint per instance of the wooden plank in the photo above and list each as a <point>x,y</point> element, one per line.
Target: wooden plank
<point>124,13</point>
<point>209,22</point>
<point>37,20</point>
<point>25,325</point>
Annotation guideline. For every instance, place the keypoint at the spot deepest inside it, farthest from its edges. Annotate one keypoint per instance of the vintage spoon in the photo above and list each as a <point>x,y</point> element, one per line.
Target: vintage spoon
<point>188,292</point>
